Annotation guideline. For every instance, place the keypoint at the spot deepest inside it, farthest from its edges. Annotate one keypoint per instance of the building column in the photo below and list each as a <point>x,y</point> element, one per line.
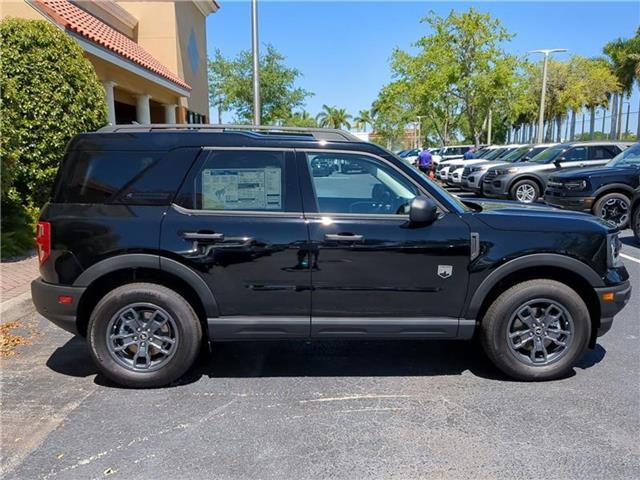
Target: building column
<point>111,103</point>
<point>170,114</point>
<point>143,110</point>
<point>181,115</point>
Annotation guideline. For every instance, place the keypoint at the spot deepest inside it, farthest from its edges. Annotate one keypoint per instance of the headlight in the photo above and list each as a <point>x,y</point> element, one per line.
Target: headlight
<point>576,185</point>
<point>613,250</point>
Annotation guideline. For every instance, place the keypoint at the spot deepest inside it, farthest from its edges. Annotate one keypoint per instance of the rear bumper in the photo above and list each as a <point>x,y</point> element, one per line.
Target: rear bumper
<point>45,298</point>
<point>579,204</point>
<point>608,309</point>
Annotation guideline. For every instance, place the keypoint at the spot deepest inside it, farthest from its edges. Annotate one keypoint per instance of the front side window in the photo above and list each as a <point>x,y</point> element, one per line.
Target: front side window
<point>237,180</point>
<point>359,184</point>
<point>575,154</point>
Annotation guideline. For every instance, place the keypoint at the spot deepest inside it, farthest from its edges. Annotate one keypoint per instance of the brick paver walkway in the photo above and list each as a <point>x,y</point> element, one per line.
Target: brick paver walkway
<point>16,276</point>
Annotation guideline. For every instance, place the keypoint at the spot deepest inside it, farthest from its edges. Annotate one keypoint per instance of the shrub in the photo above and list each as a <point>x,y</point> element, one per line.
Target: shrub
<point>50,92</point>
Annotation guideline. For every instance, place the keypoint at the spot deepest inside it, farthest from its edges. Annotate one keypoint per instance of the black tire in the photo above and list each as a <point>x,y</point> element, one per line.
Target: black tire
<point>494,329</point>
<point>187,326</point>
<point>636,223</point>
<point>622,205</point>
<point>528,184</point>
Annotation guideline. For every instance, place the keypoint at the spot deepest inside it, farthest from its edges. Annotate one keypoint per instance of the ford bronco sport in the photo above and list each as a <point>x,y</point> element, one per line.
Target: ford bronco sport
<point>160,237</point>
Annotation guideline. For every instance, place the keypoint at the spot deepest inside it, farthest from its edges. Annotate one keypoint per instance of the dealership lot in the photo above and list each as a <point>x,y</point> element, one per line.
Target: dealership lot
<point>327,409</point>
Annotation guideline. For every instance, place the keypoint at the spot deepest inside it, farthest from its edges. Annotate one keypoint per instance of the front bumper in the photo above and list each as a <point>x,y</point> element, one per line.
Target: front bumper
<point>45,297</point>
<point>578,203</point>
<point>609,308</point>
<point>496,187</point>
<point>473,182</point>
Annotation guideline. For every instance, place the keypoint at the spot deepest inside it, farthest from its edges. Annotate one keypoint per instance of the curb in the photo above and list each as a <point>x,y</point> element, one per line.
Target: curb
<point>16,308</point>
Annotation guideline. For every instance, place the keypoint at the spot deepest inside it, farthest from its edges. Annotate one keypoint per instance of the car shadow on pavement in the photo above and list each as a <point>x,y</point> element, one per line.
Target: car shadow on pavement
<point>337,358</point>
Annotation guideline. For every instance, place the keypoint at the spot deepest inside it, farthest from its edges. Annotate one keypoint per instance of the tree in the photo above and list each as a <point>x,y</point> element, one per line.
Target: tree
<point>333,117</point>
<point>301,119</point>
<point>363,119</point>
<point>231,85</point>
<point>460,71</point>
<point>50,92</point>
<point>391,111</point>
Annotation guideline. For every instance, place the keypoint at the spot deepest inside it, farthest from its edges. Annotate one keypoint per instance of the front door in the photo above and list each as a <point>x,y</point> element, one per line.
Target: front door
<point>238,223</point>
<point>374,274</point>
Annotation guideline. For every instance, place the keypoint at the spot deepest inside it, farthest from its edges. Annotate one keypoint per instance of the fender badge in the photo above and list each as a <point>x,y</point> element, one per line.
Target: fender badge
<point>445,271</point>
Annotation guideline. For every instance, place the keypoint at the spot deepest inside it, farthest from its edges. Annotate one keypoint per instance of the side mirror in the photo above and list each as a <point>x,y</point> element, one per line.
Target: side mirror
<point>558,162</point>
<point>423,211</point>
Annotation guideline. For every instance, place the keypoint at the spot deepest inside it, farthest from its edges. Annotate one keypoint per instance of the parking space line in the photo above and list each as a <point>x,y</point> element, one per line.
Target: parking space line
<point>629,257</point>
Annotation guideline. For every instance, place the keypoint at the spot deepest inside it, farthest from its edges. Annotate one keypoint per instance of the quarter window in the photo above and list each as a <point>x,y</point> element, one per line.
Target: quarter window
<point>346,183</point>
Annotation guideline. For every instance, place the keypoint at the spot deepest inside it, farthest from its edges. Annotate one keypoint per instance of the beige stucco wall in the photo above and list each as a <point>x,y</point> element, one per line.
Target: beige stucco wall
<point>164,28</point>
<point>19,9</point>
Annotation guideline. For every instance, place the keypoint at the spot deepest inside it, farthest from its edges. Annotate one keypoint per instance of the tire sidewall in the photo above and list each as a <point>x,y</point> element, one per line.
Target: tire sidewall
<point>636,223</point>
<point>522,182</point>
<point>187,325</point>
<point>506,306</point>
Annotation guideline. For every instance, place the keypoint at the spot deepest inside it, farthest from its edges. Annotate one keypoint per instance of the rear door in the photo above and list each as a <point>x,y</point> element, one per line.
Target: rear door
<point>237,222</point>
<point>374,274</point>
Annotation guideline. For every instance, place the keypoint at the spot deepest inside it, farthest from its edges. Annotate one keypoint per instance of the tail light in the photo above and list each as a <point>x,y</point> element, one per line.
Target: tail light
<point>43,241</point>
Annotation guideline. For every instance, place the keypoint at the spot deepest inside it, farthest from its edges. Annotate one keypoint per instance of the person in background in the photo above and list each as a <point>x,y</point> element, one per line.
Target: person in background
<point>470,154</point>
<point>424,161</point>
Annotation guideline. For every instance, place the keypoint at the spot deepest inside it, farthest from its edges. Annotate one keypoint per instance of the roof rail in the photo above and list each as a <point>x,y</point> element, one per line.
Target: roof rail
<point>329,134</point>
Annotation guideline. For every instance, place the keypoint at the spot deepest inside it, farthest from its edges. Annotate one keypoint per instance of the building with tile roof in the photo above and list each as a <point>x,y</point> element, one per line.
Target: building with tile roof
<point>151,56</point>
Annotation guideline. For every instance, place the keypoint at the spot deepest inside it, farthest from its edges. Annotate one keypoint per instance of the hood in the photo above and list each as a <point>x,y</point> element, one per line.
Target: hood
<point>603,171</point>
<point>531,166</point>
<point>518,217</point>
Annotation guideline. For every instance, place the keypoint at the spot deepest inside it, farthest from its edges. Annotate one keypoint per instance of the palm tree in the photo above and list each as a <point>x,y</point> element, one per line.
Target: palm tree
<point>363,119</point>
<point>333,117</point>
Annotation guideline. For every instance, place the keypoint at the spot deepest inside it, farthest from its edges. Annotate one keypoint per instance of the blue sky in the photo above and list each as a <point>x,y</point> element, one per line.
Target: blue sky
<point>343,48</point>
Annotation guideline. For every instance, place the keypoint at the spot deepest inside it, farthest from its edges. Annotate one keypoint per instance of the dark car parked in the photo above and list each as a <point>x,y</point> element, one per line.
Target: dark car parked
<point>604,191</point>
<point>159,237</point>
<point>526,181</point>
<point>635,214</point>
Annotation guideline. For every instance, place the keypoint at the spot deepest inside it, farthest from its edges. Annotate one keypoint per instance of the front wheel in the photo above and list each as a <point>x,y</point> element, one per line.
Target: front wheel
<point>536,330</point>
<point>144,335</point>
<point>525,191</point>
<point>614,208</point>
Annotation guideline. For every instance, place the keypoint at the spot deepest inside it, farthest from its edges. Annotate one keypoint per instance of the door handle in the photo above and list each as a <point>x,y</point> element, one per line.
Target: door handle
<point>207,237</point>
<point>343,237</point>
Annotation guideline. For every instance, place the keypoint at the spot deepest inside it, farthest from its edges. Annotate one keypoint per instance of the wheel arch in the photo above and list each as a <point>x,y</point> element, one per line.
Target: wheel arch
<point>113,272</point>
<point>567,270</point>
<point>613,188</point>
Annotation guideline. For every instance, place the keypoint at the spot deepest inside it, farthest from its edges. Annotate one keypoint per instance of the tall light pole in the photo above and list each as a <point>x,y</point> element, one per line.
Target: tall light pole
<point>256,62</point>
<point>546,52</point>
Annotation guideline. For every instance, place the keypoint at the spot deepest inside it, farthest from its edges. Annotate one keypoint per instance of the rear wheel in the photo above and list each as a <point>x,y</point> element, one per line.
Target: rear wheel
<point>525,191</point>
<point>536,330</point>
<point>615,208</point>
<point>143,335</point>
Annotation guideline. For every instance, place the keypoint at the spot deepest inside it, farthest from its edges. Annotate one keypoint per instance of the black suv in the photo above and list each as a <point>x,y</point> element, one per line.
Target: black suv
<point>604,191</point>
<point>157,237</point>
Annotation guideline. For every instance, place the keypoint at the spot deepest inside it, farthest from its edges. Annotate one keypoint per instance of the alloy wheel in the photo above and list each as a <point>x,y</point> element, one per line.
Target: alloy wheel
<point>526,193</point>
<point>142,337</point>
<point>615,211</point>
<point>540,332</point>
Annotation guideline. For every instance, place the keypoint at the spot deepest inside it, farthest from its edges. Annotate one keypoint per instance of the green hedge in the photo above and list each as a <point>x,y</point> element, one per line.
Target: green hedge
<point>50,92</point>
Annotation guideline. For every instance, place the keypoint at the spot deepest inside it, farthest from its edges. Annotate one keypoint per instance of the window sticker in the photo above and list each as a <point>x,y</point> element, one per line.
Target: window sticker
<point>242,188</point>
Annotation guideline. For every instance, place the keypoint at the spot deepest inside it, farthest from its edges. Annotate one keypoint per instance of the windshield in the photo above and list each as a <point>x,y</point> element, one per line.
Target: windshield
<point>629,158</point>
<point>515,155</point>
<point>494,154</point>
<point>549,155</point>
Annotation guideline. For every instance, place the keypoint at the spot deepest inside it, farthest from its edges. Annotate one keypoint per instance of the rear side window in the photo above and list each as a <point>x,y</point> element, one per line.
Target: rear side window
<point>120,177</point>
<point>238,180</point>
<point>603,152</point>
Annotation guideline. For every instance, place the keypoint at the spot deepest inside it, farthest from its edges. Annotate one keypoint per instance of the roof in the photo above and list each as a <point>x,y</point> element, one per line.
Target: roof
<point>74,19</point>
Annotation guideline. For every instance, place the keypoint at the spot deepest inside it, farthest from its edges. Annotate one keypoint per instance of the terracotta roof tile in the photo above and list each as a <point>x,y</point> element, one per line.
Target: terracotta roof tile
<point>73,18</point>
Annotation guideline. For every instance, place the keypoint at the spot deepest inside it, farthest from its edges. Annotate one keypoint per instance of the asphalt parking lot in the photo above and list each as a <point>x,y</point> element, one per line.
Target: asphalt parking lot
<point>326,410</point>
